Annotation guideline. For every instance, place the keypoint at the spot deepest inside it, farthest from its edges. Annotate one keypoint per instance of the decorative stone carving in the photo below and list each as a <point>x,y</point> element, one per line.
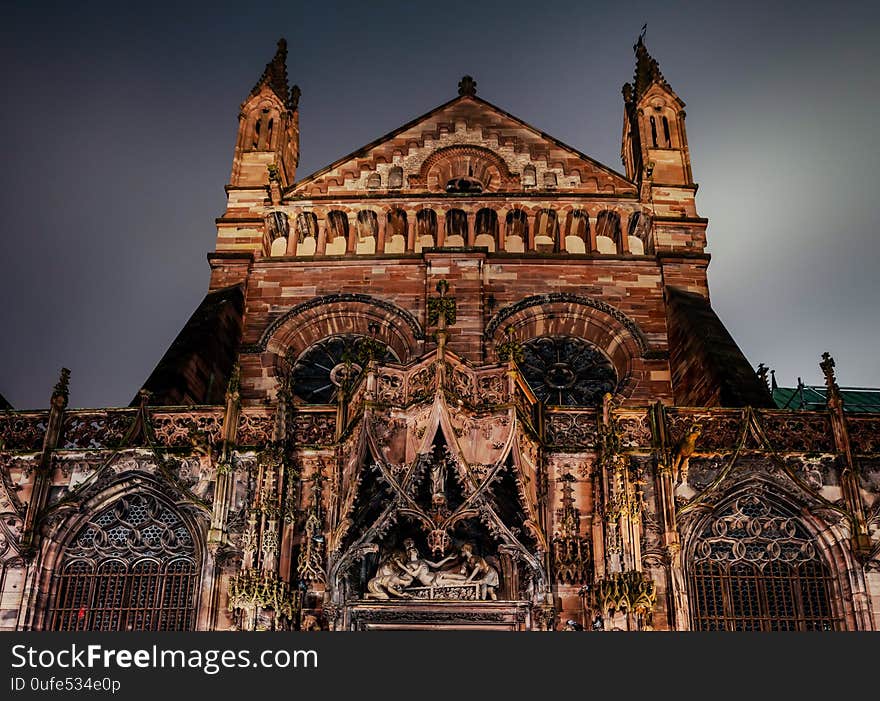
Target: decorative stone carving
<point>22,431</point>
<point>409,576</point>
<point>314,428</point>
<point>797,432</point>
<point>254,427</point>
<point>751,531</point>
<point>720,433</point>
<point>177,430</point>
<point>95,430</point>
<point>571,429</point>
<point>572,558</point>
<point>251,591</point>
<point>864,435</point>
<point>635,431</point>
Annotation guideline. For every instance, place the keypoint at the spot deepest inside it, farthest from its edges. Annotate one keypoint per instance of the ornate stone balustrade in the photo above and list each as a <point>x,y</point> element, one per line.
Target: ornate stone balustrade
<point>23,431</point>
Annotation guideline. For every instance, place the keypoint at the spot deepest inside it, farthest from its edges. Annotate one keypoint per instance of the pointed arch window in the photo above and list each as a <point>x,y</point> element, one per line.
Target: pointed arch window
<point>755,567</point>
<point>132,567</point>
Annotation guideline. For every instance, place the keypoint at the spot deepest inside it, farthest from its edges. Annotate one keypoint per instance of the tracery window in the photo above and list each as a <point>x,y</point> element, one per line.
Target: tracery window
<point>756,568</point>
<point>331,363</point>
<point>567,371</point>
<point>133,567</point>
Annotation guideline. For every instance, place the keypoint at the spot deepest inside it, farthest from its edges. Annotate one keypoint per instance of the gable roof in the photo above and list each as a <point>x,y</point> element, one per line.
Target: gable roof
<point>486,125</point>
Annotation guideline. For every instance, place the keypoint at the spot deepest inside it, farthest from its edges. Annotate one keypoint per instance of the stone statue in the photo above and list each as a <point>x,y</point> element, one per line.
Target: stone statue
<point>424,570</point>
<point>480,573</point>
<point>389,581</point>
<point>686,448</point>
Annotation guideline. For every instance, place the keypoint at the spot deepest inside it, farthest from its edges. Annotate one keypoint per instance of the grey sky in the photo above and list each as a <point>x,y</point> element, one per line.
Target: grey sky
<point>119,123</point>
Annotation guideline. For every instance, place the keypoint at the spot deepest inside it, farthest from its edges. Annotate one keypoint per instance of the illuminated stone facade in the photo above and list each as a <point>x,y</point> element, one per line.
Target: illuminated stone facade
<point>464,377</point>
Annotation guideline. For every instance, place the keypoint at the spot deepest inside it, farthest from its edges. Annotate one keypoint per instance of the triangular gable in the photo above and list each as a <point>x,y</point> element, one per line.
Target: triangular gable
<point>469,128</point>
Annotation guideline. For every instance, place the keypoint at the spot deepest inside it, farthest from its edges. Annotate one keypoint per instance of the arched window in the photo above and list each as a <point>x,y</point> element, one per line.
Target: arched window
<point>577,232</point>
<point>264,125</point>
<point>374,181</point>
<point>756,567</point>
<point>636,233</point>
<point>396,232</point>
<point>395,178</point>
<point>529,179</point>
<point>426,229</point>
<point>456,228</point>
<point>653,132</point>
<point>547,232</point>
<point>549,180</point>
<point>133,567</point>
<point>258,127</point>
<point>486,229</point>
<point>337,233</point>
<point>608,232</point>
<point>306,234</point>
<point>516,231</point>
<point>666,132</point>
<point>367,230</point>
<point>278,229</point>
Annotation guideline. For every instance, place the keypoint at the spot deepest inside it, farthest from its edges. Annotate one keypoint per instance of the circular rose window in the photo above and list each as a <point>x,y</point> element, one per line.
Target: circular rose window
<point>329,364</point>
<point>567,371</point>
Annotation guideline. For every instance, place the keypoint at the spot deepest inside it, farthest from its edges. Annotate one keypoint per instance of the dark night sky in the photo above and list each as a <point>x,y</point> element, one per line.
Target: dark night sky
<point>118,127</point>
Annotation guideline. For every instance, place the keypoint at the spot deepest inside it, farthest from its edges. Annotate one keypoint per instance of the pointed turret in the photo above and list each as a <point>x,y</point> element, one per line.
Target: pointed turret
<point>268,133</point>
<point>656,155</point>
<point>654,139</point>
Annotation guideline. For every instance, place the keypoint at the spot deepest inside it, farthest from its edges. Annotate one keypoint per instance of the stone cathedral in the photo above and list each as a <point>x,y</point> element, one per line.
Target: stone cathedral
<point>465,377</point>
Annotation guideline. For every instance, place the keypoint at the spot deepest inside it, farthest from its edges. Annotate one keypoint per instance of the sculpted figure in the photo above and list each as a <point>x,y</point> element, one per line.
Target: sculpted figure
<point>686,448</point>
<point>389,581</point>
<point>480,572</point>
<point>423,570</point>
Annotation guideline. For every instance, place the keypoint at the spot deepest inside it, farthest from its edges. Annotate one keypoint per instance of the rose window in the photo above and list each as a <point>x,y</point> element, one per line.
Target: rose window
<point>332,363</point>
<point>567,371</point>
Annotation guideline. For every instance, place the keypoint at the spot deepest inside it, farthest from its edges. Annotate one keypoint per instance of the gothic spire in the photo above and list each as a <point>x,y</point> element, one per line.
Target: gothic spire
<point>647,73</point>
<point>275,76</point>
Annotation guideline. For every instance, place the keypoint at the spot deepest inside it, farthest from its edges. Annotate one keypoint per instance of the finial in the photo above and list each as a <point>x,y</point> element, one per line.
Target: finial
<point>643,32</point>
<point>442,287</point>
<point>61,392</point>
<point>144,396</point>
<point>467,86</point>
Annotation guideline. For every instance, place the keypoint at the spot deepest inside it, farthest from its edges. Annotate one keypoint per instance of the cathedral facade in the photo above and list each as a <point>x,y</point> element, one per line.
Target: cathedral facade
<point>465,377</point>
